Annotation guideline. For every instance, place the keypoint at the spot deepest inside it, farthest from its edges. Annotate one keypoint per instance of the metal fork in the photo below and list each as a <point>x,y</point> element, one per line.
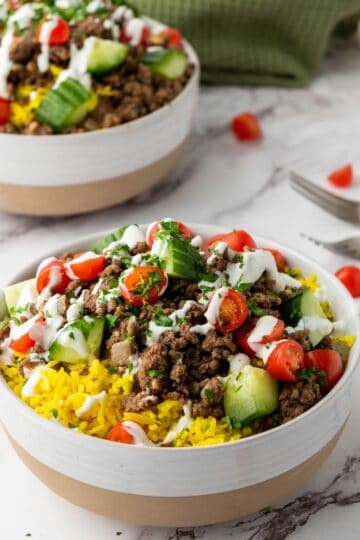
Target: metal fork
<point>337,206</point>
<point>349,246</point>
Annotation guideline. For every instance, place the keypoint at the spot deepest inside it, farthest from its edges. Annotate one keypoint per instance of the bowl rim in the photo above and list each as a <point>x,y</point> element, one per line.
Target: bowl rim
<point>194,78</point>
<point>213,229</point>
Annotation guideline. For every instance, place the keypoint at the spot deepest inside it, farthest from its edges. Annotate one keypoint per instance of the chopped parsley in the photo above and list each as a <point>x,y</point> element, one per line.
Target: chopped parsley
<point>112,370</point>
<point>155,374</point>
<point>309,372</point>
<point>210,277</point>
<point>111,320</point>
<point>48,315</point>
<point>255,309</point>
<point>235,424</point>
<point>54,412</point>
<point>239,388</point>
<point>162,320</point>
<point>148,332</point>
<point>130,338</point>
<point>72,335</point>
<point>209,394</point>
<point>130,368</point>
<point>243,286</point>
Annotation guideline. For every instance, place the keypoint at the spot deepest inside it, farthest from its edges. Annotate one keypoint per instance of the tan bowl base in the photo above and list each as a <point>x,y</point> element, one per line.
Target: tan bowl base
<point>70,199</point>
<point>176,511</point>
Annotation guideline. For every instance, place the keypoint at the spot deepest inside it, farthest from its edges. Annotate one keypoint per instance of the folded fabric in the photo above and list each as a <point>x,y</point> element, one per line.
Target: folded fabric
<point>260,42</point>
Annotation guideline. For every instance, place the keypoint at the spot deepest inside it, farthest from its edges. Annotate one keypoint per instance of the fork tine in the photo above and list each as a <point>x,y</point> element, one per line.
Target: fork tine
<point>347,214</point>
<point>318,191</point>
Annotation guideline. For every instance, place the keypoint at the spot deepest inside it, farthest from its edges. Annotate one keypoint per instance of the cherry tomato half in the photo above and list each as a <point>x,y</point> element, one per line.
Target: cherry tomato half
<point>232,312</point>
<point>60,35</point>
<point>246,127</point>
<point>285,360</point>
<point>342,177</point>
<point>350,277</point>
<point>26,342</point>
<point>237,240</point>
<point>120,434</point>
<point>143,285</point>
<point>52,275</point>
<point>242,336</point>
<point>156,227</point>
<point>173,38</point>
<point>144,39</point>
<point>279,259</point>
<point>329,361</point>
<point>276,334</point>
<point>5,111</point>
<point>87,269</point>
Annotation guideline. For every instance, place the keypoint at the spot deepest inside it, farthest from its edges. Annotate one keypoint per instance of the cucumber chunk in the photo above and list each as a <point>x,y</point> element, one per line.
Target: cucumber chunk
<point>106,55</point>
<point>304,304</point>
<point>78,341</point>
<point>13,293</point>
<point>179,259</point>
<point>168,63</point>
<point>250,394</point>
<point>64,106</point>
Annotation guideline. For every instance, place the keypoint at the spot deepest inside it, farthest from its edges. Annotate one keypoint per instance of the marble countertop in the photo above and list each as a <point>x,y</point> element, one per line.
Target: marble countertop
<point>221,181</point>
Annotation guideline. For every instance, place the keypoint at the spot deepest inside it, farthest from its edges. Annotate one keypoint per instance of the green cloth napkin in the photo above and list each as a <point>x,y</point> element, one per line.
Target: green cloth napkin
<point>260,42</point>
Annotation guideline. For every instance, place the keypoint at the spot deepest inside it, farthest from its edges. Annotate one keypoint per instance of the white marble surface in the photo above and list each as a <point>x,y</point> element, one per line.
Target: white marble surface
<point>221,181</point>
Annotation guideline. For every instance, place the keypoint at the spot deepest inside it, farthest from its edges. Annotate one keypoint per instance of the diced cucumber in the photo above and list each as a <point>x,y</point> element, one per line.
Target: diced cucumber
<point>170,63</point>
<point>179,259</point>
<point>304,304</point>
<point>13,293</point>
<point>106,55</point>
<point>78,341</point>
<point>64,106</point>
<point>250,394</point>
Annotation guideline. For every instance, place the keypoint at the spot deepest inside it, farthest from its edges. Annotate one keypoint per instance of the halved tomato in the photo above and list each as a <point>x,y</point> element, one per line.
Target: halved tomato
<point>27,341</point>
<point>328,361</point>
<point>156,227</point>
<point>237,240</point>
<point>279,259</point>
<point>53,275</point>
<point>350,277</point>
<point>231,309</point>
<point>60,35</point>
<point>88,266</point>
<point>173,37</point>
<point>119,433</point>
<point>285,360</point>
<point>143,285</point>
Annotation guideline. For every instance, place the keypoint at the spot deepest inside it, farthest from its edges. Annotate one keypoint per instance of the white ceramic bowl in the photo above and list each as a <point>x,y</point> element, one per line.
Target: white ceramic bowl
<point>186,486</point>
<point>76,173</point>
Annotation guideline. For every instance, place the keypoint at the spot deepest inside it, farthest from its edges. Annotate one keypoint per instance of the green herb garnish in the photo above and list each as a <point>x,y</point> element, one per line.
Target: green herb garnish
<point>209,394</point>
<point>255,309</point>
<point>309,372</point>
<point>54,412</point>
<point>155,374</point>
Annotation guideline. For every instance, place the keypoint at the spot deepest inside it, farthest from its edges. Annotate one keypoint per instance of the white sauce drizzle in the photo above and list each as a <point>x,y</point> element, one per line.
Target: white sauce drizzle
<point>138,434</point>
<point>134,29</point>
<point>183,423</point>
<point>77,343</point>
<point>27,297</point>
<point>46,29</point>
<point>122,13</point>
<point>314,323</point>
<point>265,351</point>
<point>66,4</point>
<point>84,257</point>
<point>75,309</point>
<point>89,402</point>
<point>5,62</point>
<point>213,310</point>
<point>157,331</point>
<point>131,236</point>
<point>197,241</point>
<point>219,249</point>
<point>29,388</point>
<point>264,327</point>
<point>237,362</point>
<point>79,60</point>
<point>94,6</point>
<point>111,25</point>
<point>6,354</point>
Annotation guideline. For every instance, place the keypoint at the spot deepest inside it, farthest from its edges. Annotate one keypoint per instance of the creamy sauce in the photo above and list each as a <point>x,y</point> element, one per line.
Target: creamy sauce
<point>79,60</point>
<point>3,10</point>
<point>89,403</point>
<point>72,338</point>
<point>5,62</point>
<point>213,311</point>
<point>264,327</point>
<point>202,329</point>
<point>134,30</point>
<point>23,16</point>
<point>46,29</point>
<point>45,334</point>
<point>66,4</point>
<point>183,423</point>
<point>320,293</point>
<point>205,285</point>
<point>87,256</point>
<point>132,236</point>
<point>29,388</point>
<point>219,249</point>
<point>122,13</point>
<point>138,434</point>
<point>197,241</point>
<point>265,351</point>
<point>27,297</point>
<point>157,331</point>
<point>6,354</point>
<point>237,362</point>
<point>75,310</point>
<point>55,277</point>
<point>313,324</point>
<point>111,25</point>
<point>94,6</point>
<point>252,267</point>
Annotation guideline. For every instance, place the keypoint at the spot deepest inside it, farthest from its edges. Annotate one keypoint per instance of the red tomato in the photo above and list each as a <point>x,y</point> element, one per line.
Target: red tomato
<point>53,274</point>
<point>120,434</point>
<point>144,40</point>
<point>236,240</point>
<point>242,337</point>
<point>276,334</point>
<point>350,277</point>
<point>285,360</point>
<point>143,285</point>
<point>5,109</point>
<point>155,227</point>
<point>89,269</point>
<point>173,37</point>
<point>342,177</point>
<point>329,361</point>
<point>279,259</point>
<point>60,35</point>
<point>246,127</point>
<point>25,342</point>
<point>232,312</point>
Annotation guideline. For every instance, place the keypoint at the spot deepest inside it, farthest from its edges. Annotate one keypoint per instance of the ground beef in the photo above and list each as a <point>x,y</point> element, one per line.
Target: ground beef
<point>153,372</point>
<point>139,402</point>
<point>22,48</point>
<point>112,269</point>
<point>343,350</point>
<point>302,337</point>
<point>60,55</point>
<point>141,247</point>
<point>120,355</point>
<point>126,329</point>
<point>296,398</point>
<point>63,304</point>
<point>325,343</point>
<point>74,285</point>
<point>219,264</point>
<point>4,332</point>
<point>91,26</point>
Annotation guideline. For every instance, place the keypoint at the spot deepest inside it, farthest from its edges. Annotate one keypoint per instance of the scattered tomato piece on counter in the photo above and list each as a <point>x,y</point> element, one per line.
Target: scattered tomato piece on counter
<point>279,259</point>
<point>60,34</point>
<point>5,110</point>
<point>52,274</point>
<point>246,127</point>
<point>143,285</point>
<point>328,361</point>
<point>119,433</point>
<point>350,277</point>
<point>173,37</point>
<point>156,227</point>
<point>342,177</point>
<point>237,240</point>
<point>231,309</point>
<point>285,360</point>
<point>88,266</point>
